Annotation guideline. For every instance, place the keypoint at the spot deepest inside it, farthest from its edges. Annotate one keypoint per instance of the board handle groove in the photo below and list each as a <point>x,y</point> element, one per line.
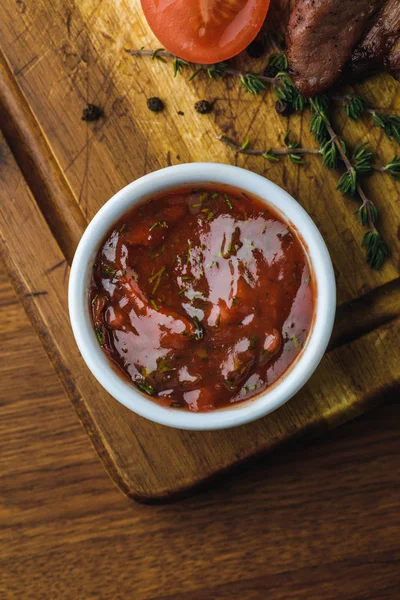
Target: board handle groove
<point>38,164</point>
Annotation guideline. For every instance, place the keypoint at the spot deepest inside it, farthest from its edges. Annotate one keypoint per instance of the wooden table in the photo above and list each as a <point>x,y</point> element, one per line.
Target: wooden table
<point>314,522</point>
<point>320,521</point>
<point>58,170</point>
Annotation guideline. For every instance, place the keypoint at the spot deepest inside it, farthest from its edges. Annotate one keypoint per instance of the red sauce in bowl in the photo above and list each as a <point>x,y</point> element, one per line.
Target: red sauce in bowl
<point>202,297</point>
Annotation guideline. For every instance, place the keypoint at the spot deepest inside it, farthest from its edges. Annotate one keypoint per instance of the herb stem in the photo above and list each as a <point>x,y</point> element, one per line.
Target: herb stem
<point>346,99</point>
<point>199,66</point>
<point>275,151</point>
<point>366,202</point>
<point>286,152</point>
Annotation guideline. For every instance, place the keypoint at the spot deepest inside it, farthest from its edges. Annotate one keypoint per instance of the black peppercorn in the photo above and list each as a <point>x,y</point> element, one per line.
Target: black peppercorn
<point>203,107</point>
<point>256,49</point>
<point>91,112</point>
<point>155,104</point>
<point>283,108</point>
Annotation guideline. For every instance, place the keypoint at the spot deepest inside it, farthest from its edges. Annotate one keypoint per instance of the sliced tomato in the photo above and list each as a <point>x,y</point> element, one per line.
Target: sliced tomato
<point>205,31</point>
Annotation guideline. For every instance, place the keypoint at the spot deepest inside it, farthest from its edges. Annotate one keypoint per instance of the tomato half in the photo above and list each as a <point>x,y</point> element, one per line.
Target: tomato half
<point>205,31</point>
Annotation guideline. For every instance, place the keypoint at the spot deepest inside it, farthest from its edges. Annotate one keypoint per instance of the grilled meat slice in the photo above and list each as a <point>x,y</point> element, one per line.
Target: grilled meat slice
<point>369,57</point>
<point>321,37</point>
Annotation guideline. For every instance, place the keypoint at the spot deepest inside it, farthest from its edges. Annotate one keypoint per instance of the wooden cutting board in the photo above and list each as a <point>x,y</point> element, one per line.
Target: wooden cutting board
<point>56,171</point>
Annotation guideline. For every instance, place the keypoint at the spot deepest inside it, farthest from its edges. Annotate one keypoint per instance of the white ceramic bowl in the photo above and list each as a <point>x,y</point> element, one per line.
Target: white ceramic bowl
<point>196,174</point>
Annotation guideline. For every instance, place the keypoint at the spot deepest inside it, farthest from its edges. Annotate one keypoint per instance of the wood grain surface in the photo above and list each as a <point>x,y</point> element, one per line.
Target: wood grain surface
<point>315,521</point>
<point>57,171</point>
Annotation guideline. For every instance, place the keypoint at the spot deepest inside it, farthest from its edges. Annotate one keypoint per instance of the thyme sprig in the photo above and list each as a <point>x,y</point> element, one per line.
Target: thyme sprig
<point>255,83</point>
<point>360,163</point>
<point>275,75</point>
<point>355,106</point>
<point>392,167</point>
<point>389,123</point>
<point>328,152</point>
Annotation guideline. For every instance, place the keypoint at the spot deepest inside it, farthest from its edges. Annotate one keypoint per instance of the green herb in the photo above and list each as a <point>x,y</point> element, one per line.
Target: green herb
<point>253,83</point>
<point>229,203</point>
<point>157,275</point>
<point>153,303</point>
<point>272,154</point>
<point>122,228</point>
<point>359,164</point>
<point>286,91</point>
<point>156,55</point>
<point>214,195</point>
<point>178,65</point>
<point>158,223</point>
<point>389,123</point>
<point>245,144</point>
<point>100,336</point>
<point>393,167</point>
<point>276,63</point>
<point>319,118</point>
<point>355,107</point>
<point>157,282</point>
<point>177,405</point>
<point>94,299</point>
<point>145,387</point>
<point>268,154</point>
<point>288,142</point>
<point>210,216</point>
<point>217,70</point>
<point>292,145</point>
<point>377,250</point>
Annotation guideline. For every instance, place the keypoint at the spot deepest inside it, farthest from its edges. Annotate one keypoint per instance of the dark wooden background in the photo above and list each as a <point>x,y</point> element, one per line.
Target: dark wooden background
<point>308,523</point>
<point>315,522</point>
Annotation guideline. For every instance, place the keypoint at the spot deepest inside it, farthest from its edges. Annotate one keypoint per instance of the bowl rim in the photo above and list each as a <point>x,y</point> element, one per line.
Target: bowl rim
<point>211,174</point>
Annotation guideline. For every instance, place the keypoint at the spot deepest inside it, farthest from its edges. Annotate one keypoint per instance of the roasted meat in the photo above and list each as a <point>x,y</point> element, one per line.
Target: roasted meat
<point>321,37</point>
<point>372,54</point>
